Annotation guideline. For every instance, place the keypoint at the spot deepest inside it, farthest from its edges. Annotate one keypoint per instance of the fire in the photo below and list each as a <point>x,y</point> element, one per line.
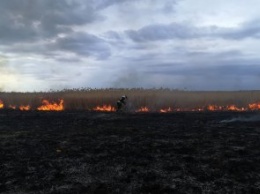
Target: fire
<point>254,106</point>
<point>197,109</point>
<point>59,106</point>
<point>166,110</point>
<point>22,107</point>
<point>1,104</point>
<point>47,106</point>
<point>214,108</point>
<point>234,108</point>
<point>143,109</point>
<point>105,108</point>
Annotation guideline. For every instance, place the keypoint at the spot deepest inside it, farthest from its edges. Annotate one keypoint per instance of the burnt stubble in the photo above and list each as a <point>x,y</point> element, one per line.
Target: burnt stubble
<point>91,152</point>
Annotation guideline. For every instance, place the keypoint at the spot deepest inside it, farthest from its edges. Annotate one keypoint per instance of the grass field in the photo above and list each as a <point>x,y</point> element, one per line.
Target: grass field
<point>152,99</point>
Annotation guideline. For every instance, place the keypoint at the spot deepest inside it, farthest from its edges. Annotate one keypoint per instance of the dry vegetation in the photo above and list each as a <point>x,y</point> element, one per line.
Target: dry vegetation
<point>96,152</point>
<point>154,99</point>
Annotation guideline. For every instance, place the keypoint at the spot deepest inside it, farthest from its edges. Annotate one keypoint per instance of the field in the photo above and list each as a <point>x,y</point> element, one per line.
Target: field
<point>95,152</point>
<point>58,142</point>
<point>153,99</point>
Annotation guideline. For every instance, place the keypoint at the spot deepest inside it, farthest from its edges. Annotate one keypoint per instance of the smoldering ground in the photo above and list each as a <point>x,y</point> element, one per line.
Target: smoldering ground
<point>252,118</point>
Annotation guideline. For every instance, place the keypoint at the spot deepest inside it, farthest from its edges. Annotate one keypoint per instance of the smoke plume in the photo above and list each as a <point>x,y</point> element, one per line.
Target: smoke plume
<point>253,118</point>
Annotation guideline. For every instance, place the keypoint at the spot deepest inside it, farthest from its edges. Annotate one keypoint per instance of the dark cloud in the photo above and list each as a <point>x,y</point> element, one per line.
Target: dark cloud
<point>250,29</point>
<point>201,71</point>
<point>37,19</point>
<point>101,4</point>
<point>113,35</point>
<point>68,59</point>
<point>31,20</point>
<point>222,70</point>
<point>169,6</point>
<point>224,76</point>
<point>211,64</point>
<point>163,32</point>
<point>69,48</point>
<point>155,32</point>
<point>84,44</point>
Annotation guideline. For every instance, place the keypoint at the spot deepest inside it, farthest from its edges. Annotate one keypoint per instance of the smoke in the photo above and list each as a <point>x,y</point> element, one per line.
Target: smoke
<point>128,78</point>
<point>242,119</point>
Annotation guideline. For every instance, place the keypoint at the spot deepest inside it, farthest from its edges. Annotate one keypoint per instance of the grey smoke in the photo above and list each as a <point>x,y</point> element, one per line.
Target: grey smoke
<point>242,119</point>
<point>128,78</point>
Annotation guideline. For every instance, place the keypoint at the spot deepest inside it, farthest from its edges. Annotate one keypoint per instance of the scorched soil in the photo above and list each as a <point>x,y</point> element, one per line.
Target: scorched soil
<point>92,152</point>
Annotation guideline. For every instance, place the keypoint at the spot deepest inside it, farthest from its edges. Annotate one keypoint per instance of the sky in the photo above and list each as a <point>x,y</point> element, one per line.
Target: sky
<point>177,44</point>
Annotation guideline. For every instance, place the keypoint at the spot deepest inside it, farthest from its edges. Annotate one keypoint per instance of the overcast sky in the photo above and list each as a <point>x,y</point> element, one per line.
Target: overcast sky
<point>179,44</point>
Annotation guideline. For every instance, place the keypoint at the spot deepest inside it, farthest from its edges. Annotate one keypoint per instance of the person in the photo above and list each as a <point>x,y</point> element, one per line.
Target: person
<point>120,103</point>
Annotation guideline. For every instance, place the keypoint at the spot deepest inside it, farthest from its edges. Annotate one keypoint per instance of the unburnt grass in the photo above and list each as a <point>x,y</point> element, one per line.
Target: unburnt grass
<point>91,152</point>
<point>153,99</point>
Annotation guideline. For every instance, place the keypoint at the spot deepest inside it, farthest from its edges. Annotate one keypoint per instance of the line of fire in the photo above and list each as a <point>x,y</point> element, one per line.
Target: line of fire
<point>59,106</point>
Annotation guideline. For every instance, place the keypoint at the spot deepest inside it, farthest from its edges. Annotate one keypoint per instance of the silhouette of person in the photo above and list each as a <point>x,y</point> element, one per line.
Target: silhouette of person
<point>120,103</point>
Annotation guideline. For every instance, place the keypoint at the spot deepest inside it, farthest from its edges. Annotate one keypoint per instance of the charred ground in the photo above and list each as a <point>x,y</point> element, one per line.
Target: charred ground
<point>90,152</point>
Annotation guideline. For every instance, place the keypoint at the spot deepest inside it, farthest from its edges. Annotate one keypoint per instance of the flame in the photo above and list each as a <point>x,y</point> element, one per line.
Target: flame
<point>197,109</point>
<point>214,108</point>
<point>12,107</point>
<point>143,109</point>
<point>105,108</point>
<point>51,106</point>
<point>1,104</point>
<point>22,107</point>
<point>166,110</point>
<point>234,108</point>
<point>223,108</point>
<point>254,106</point>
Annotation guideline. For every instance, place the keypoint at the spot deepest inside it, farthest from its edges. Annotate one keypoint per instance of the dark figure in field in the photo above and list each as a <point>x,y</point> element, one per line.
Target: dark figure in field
<point>120,103</point>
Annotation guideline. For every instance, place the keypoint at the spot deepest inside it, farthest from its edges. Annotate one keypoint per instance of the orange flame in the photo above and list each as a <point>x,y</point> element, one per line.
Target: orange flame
<point>105,108</point>
<point>143,109</point>
<point>166,110</point>
<point>1,104</point>
<point>234,108</point>
<point>214,108</point>
<point>197,109</point>
<point>47,106</point>
<point>254,106</point>
<point>22,107</point>
<point>211,107</point>
<point>53,106</point>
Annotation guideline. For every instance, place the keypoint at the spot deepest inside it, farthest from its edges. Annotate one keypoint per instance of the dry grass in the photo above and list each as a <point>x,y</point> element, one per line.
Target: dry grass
<point>154,99</point>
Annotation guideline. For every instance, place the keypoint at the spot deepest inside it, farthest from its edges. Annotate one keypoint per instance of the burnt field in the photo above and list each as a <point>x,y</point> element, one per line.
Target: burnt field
<point>91,152</point>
